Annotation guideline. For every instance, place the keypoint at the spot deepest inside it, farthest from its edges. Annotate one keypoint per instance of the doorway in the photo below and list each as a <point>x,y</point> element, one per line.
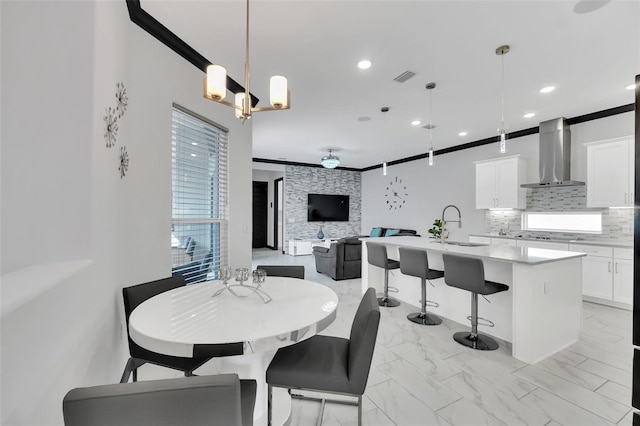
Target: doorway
<point>260,206</point>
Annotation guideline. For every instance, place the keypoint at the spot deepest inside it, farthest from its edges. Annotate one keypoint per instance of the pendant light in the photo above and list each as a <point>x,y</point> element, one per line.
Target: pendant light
<point>502,131</point>
<point>430,126</point>
<point>215,86</point>
<point>384,110</point>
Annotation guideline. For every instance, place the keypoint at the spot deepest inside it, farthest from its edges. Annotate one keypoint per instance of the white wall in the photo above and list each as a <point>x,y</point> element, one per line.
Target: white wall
<point>73,232</point>
<point>452,179</point>
<point>45,191</point>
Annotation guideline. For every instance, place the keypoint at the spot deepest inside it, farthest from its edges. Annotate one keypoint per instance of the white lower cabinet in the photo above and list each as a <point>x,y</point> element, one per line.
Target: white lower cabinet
<point>607,273</point>
<point>503,242</point>
<point>480,240</point>
<point>623,275</point>
<point>542,245</point>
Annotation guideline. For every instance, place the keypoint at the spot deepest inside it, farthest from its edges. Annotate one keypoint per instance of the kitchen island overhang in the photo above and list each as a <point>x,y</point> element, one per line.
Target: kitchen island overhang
<point>539,315</point>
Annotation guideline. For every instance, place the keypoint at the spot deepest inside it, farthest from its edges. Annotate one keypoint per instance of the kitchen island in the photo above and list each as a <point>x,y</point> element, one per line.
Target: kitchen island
<point>541,313</point>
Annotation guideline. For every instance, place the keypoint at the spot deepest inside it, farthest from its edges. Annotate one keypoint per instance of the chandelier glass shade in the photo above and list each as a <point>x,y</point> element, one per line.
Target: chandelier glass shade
<point>215,87</point>
<point>330,161</point>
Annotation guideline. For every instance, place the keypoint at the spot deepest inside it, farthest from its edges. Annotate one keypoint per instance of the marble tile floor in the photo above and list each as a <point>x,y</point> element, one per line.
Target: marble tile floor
<point>420,376</point>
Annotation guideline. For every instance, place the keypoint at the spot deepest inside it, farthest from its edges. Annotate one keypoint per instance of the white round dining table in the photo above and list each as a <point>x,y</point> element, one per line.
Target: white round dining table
<point>176,321</point>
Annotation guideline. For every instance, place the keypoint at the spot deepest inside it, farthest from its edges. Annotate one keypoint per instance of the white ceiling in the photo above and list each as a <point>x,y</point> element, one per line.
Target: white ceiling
<point>589,57</point>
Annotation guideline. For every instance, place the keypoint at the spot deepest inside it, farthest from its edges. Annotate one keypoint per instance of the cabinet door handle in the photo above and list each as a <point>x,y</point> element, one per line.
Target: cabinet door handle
<point>609,266</point>
<point>616,267</point>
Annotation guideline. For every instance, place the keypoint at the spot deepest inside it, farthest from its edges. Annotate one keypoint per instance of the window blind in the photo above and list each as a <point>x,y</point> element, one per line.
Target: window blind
<point>199,224</point>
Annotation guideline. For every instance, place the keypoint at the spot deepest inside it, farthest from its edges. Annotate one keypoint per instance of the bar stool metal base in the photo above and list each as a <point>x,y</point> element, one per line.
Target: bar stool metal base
<point>480,341</point>
<point>388,302</point>
<point>424,319</point>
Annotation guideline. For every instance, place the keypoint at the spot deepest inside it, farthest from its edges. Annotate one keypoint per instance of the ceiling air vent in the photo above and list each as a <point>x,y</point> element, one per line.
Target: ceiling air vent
<point>404,76</point>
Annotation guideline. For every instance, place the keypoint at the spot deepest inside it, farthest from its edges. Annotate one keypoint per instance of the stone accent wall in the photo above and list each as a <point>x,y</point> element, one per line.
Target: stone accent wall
<point>300,181</point>
<point>617,224</point>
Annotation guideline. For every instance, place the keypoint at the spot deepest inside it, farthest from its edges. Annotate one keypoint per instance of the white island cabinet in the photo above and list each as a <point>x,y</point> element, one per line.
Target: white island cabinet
<point>498,183</point>
<point>540,314</point>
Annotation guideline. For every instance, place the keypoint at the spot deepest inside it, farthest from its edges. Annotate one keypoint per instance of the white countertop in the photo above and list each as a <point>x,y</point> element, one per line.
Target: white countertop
<point>525,255</point>
<point>605,243</point>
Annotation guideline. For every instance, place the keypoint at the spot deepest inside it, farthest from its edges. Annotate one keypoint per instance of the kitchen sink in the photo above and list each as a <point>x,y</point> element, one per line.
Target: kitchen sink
<point>463,243</point>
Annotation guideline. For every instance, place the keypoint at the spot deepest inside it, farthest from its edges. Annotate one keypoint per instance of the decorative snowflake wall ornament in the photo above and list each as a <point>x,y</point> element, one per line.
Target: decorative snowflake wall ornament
<point>123,99</point>
<point>124,161</point>
<point>110,127</point>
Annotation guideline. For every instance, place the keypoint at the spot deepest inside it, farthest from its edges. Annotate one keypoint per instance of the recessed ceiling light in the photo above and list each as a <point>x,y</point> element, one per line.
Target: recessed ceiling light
<point>529,115</point>
<point>462,134</point>
<point>548,89</point>
<point>630,87</point>
<point>363,65</point>
<point>364,118</point>
<point>415,122</point>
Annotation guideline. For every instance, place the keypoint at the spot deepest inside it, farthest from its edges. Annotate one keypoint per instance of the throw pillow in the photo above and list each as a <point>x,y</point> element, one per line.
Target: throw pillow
<point>391,232</point>
<point>376,232</point>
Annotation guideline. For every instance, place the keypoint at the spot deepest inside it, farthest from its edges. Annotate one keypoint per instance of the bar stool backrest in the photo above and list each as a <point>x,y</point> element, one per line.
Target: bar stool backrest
<point>377,255</point>
<point>414,262</point>
<point>464,272</point>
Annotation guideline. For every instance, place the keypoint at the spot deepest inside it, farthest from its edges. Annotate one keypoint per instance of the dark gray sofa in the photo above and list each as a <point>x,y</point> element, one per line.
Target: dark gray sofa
<point>341,260</point>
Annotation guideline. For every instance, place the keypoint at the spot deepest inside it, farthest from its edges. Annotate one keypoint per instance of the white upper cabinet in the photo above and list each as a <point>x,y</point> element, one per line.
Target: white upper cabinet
<point>610,172</point>
<point>498,183</point>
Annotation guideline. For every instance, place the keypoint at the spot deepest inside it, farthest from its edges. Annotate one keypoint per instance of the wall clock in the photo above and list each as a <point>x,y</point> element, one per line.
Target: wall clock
<point>396,194</point>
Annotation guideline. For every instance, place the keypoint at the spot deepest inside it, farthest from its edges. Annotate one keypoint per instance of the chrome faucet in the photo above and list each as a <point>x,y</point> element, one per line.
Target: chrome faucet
<point>444,222</point>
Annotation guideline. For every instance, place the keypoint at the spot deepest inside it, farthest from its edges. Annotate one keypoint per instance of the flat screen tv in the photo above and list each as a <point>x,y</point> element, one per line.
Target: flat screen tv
<point>328,208</point>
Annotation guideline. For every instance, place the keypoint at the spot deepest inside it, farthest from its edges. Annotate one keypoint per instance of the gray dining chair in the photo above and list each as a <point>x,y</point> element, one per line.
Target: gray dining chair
<point>329,364</point>
<point>217,400</point>
<point>135,295</point>
<point>292,271</point>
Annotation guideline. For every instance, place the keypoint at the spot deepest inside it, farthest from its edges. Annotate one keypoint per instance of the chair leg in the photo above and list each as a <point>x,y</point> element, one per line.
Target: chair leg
<point>360,411</point>
<point>474,340</point>
<point>269,404</point>
<point>128,369</point>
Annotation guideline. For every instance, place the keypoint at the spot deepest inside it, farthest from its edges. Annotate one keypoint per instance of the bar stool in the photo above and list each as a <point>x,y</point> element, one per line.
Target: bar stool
<point>415,262</point>
<point>467,273</point>
<point>377,256</point>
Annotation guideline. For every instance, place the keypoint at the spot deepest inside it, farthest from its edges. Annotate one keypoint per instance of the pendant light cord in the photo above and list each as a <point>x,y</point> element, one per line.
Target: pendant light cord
<point>502,97</point>
<point>246,62</point>
<point>430,118</point>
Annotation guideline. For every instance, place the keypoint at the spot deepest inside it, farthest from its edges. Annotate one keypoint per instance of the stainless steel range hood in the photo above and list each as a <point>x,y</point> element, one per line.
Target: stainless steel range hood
<point>555,155</point>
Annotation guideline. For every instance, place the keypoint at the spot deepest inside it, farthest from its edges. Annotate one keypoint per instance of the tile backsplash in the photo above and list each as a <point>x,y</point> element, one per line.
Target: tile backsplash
<point>617,224</point>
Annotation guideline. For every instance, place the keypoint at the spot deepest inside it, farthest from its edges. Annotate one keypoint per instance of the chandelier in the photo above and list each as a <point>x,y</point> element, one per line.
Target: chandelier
<point>215,87</point>
<point>330,161</point>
